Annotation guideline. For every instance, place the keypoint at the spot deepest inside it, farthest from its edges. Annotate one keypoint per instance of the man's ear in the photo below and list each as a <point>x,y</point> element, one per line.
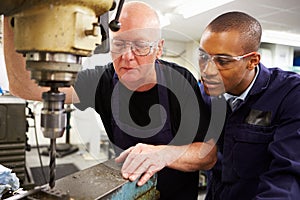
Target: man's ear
<point>160,48</point>
<point>254,61</point>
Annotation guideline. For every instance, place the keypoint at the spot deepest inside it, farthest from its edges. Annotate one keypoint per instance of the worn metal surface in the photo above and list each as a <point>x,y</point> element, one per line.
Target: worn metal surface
<point>104,181</point>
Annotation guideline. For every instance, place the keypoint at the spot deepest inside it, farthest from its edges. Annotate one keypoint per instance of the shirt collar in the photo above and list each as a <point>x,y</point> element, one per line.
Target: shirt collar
<point>245,93</point>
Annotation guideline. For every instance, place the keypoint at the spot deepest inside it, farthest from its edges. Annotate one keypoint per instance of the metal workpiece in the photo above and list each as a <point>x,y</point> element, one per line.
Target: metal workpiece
<point>103,181</point>
<point>40,193</point>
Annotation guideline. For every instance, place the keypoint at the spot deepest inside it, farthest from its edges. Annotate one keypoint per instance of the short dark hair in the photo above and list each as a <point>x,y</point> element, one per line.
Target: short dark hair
<point>249,28</point>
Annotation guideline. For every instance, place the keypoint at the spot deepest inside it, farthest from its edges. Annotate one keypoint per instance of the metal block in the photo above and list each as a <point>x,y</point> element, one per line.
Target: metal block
<point>102,181</point>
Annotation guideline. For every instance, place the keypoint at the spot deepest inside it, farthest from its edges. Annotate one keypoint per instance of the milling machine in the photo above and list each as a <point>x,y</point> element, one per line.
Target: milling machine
<point>54,35</point>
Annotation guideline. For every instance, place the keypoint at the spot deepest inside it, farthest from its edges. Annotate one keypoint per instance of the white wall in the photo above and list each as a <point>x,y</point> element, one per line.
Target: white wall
<point>3,74</point>
<point>183,53</point>
<point>276,55</point>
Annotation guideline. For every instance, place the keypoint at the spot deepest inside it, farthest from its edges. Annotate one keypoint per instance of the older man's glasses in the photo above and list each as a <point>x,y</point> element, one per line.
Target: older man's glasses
<point>139,48</point>
<point>221,61</point>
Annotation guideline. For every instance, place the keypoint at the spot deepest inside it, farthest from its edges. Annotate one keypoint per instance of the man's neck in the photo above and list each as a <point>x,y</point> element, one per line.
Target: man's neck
<point>141,86</point>
<point>243,94</point>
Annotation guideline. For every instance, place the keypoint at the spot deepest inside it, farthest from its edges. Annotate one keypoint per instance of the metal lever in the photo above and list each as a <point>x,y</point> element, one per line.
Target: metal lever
<point>115,25</point>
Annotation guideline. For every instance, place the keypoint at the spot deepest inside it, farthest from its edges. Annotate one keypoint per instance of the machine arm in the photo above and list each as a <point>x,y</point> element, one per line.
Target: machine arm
<point>54,35</point>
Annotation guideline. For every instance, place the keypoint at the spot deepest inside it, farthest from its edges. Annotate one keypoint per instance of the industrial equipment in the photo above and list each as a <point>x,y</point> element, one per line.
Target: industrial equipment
<point>12,134</point>
<point>54,35</point>
<point>102,181</point>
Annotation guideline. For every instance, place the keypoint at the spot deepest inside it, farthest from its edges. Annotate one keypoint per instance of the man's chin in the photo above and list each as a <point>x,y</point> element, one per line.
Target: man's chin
<point>213,92</point>
<point>130,82</point>
<point>129,78</point>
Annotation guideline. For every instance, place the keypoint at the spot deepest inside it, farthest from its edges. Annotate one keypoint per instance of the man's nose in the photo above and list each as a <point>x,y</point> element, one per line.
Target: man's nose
<point>210,68</point>
<point>128,53</point>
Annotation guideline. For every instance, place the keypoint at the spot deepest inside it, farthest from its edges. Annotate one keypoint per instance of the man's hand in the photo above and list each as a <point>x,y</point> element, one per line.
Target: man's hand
<point>143,160</point>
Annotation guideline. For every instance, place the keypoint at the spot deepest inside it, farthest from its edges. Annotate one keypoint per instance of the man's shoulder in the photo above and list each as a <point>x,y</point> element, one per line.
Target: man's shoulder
<point>284,76</point>
<point>107,69</point>
<point>277,80</point>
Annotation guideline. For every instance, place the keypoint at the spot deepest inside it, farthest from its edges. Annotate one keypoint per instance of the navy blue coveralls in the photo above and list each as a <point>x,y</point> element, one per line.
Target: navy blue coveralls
<point>259,149</point>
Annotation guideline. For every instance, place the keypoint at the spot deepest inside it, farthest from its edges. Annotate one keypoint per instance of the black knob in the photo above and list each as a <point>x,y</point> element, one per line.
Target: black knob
<point>115,25</point>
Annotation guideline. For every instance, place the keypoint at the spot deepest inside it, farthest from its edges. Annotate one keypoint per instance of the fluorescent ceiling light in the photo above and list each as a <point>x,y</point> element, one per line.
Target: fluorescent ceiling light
<point>283,38</point>
<point>195,7</point>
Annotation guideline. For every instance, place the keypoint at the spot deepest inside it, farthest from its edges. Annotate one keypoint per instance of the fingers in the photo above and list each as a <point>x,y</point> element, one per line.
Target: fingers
<point>145,172</point>
<point>133,165</point>
<point>146,176</point>
<point>122,157</point>
<point>140,169</point>
<point>140,161</point>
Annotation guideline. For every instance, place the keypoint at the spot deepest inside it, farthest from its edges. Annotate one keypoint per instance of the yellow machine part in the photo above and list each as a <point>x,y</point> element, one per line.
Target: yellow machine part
<point>57,26</point>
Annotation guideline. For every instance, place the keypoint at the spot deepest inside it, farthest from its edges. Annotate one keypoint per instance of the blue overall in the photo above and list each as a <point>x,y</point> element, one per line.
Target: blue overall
<point>259,155</point>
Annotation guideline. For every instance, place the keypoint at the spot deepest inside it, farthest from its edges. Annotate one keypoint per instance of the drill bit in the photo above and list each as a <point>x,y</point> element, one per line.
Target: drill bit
<point>53,123</point>
<point>52,166</point>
